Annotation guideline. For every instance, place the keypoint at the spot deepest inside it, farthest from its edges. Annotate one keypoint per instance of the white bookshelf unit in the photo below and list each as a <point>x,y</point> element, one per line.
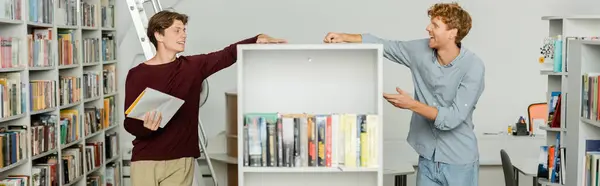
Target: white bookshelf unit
<point>57,79</point>
<point>585,123</point>
<point>300,87</point>
<point>568,30</point>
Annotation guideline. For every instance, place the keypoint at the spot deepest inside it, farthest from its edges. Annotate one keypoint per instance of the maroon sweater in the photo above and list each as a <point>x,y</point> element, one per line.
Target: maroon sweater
<point>181,78</point>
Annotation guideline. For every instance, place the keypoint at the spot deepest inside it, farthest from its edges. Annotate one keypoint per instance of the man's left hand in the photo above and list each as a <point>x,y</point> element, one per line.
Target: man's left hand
<point>265,39</point>
<point>401,100</point>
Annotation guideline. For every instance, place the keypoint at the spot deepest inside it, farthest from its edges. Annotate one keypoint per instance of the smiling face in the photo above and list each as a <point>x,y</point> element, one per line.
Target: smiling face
<point>439,34</point>
<point>173,38</point>
<point>167,32</point>
<point>449,25</point>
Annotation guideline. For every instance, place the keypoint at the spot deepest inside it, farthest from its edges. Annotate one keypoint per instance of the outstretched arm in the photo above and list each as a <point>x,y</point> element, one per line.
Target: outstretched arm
<point>469,91</point>
<point>213,62</point>
<point>396,51</point>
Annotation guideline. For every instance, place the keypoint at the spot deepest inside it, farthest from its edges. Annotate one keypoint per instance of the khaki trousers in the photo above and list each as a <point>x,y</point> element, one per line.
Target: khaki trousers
<point>177,172</point>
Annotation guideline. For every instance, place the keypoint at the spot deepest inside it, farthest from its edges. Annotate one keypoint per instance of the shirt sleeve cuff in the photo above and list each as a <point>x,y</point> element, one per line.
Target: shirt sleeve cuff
<point>136,127</point>
<point>144,132</point>
<point>368,38</point>
<point>251,40</point>
<point>440,119</point>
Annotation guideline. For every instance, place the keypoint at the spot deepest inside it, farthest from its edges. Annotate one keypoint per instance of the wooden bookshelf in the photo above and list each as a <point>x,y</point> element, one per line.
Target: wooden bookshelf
<point>58,79</point>
<point>342,81</point>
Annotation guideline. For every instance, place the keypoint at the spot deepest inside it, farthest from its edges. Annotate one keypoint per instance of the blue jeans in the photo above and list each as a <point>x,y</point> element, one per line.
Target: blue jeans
<point>432,173</point>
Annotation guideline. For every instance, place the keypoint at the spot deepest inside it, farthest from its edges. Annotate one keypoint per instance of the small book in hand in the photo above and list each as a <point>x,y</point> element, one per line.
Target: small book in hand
<point>153,100</point>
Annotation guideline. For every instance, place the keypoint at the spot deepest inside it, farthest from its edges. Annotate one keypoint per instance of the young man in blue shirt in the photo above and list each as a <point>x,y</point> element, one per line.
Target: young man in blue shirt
<point>448,80</point>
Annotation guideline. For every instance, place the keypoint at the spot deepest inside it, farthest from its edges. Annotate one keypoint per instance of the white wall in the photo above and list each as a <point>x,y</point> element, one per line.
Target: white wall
<point>506,35</point>
<point>572,7</point>
<point>511,70</point>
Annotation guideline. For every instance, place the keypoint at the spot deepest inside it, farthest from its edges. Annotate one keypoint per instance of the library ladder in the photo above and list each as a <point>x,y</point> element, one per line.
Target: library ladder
<point>140,22</point>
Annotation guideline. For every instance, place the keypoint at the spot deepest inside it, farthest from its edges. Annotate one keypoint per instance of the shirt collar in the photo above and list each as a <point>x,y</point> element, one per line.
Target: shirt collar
<point>460,54</point>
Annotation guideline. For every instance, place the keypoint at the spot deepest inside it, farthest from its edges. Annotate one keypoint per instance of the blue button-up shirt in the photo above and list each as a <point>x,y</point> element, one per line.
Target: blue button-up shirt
<point>453,89</point>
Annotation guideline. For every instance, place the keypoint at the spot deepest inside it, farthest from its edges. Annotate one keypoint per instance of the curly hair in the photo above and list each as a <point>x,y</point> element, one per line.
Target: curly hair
<point>161,21</point>
<point>453,16</point>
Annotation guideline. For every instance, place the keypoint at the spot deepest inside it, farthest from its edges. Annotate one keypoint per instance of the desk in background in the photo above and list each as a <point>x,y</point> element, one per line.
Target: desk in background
<point>522,147</point>
<point>527,166</point>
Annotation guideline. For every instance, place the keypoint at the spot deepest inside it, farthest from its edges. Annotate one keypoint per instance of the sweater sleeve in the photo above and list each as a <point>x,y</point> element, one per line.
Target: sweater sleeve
<point>213,62</point>
<point>132,90</point>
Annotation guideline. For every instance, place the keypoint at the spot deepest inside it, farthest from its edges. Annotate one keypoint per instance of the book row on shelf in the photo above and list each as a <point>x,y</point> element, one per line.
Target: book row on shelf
<point>45,169</point>
<point>9,52</point>
<point>67,47</point>
<point>554,108</point>
<point>589,101</point>
<point>88,14</point>
<point>10,10</point>
<point>43,92</point>
<point>40,49</point>
<point>591,162</point>
<point>39,53</point>
<point>90,50</point>
<point>41,11</point>
<point>91,85</point>
<point>109,79</point>
<point>93,120</point>
<point>13,142</point>
<point>40,43</point>
<point>310,140</point>
<point>67,9</point>
<point>12,94</point>
<point>69,90</point>
<point>96,49</point>
<point>551,163</point>
<point>109,47</point>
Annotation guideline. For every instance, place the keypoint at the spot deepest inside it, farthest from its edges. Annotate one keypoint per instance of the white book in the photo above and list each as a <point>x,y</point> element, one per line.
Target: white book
<point>153,100</point>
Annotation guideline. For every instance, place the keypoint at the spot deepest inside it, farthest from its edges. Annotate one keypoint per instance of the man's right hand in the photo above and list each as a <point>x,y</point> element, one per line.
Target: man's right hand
<point>333,37</point>
<point>152,120</point>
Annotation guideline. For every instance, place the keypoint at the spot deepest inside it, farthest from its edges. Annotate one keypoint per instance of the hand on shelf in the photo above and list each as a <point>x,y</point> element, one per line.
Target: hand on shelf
<point>265,39</point>
<point>152,120</point>
<point>334,37</point>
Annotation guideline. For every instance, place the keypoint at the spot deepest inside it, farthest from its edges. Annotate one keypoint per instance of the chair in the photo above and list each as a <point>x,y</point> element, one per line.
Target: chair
<point>537,111</point>
<point>507,167</point>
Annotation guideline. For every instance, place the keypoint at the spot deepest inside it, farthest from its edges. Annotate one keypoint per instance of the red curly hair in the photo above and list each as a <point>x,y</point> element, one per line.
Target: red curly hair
<point>454,16</point>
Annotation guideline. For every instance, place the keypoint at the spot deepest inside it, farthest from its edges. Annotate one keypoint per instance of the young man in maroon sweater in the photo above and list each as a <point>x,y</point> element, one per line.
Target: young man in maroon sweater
<point>165,156</point>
